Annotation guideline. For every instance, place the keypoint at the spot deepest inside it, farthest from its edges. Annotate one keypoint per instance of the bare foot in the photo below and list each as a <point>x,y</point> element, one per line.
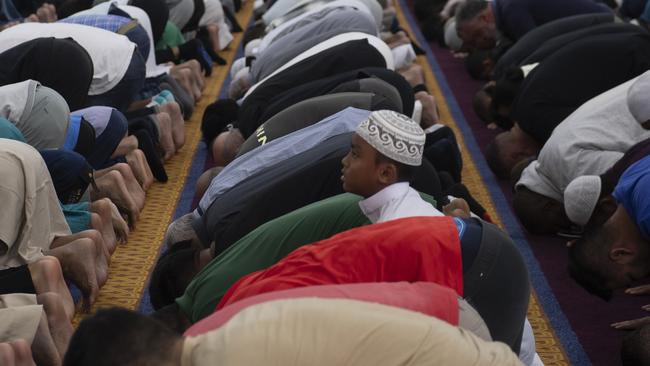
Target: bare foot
<point>43,348</point>
<point>413,74</point>
<point>166,139</point>
<point>178,123</point>
<point>128,144</point>
<point>196,74</point>
<point>213,33</point>
<point>78,261</point>
<point>183,77</point>
<point>105,227</point>
<point>47,276</point>
<point>16,353</point>
<point>60,327</point>
<point>138,163</point>
<point>130,181</point>
<point>113,186</point>
<point>430,115</point>
<point>109,212</point>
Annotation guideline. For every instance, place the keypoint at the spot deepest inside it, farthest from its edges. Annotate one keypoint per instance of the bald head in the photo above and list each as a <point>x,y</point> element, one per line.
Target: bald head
<point>205,179</point>
<point>226,146</point>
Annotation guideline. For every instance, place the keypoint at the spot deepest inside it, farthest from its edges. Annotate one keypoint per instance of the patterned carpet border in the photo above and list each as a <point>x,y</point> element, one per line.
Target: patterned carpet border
<point>556,343</point>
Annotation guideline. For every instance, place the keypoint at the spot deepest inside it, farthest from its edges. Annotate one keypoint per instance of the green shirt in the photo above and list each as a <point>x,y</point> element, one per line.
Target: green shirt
<point>266,245</point>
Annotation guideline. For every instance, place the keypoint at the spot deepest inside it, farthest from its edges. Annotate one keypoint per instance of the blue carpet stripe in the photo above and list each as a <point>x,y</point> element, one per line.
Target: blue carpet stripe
<point>547,299</point>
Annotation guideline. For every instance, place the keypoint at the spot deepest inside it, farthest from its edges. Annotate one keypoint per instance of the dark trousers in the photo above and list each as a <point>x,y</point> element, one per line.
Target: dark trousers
<point>497,286</point>
<point>106,143</point>
<point>124,92</point>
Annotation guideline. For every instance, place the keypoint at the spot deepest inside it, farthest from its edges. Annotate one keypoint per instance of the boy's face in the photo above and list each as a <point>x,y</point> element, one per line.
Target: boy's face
<point>361,174</point>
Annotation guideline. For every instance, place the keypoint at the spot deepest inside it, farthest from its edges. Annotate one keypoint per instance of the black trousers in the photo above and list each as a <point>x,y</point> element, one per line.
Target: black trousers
<point>497,286</point>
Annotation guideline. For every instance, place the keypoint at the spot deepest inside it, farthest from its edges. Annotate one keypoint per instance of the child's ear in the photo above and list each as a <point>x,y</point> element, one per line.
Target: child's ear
<point>388,173</point>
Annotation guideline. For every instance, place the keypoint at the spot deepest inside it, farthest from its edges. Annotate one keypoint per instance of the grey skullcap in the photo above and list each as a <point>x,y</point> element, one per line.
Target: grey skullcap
<point>394,135</point>
<point>638,100</point>
<point>581,197</point>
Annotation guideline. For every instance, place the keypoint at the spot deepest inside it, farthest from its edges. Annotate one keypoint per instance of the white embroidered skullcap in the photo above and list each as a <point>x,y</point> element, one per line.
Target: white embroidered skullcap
<point>581,197</point>
<point>394,135</point>
<point>638,98</point>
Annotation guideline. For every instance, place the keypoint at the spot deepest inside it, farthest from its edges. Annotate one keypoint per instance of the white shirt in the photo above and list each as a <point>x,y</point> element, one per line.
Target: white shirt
<point>396,201</point>
<point>587,142</point>
<point>111,53</point>
<point>141,16</point>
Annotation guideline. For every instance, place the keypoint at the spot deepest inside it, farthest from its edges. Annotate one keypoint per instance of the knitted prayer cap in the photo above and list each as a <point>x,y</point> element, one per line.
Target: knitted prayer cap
<point>394,135</point>
<point>637,98</point>
<point>581,197</point>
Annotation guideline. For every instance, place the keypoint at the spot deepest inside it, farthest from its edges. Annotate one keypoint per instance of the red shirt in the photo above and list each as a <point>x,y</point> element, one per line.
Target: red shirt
<point>425,249</point>
<point>424,297</point>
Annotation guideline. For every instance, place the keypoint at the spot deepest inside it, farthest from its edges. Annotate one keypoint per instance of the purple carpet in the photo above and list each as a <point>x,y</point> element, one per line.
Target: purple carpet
<point>588,317</point>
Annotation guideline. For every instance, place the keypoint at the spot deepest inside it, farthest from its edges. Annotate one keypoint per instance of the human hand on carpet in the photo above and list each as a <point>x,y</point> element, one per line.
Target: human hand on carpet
<point>633,324</point>
<point>639,290</point>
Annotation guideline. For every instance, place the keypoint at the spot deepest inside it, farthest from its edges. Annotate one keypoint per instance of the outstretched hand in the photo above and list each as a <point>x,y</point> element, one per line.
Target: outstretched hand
<point>632,324</point>
<point>635,323</point>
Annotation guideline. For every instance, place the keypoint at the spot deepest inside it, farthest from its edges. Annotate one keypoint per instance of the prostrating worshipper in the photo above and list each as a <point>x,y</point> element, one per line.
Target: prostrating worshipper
<point>536,101</point>
<point>479,23</point>
<point>119,70</point>
<point>588,199</point>
<point>225,145</point>
<point>415,249</point>
<point>423,297</point>
<point>308,332</point>
<point>260,249</point>
<point>377,95</point>
<point>34,226</point>
<point>493,64</point>
<point>332,22</point>
<point>617,253</point>
<point>588,142</point>
<point>345,52</point>
<point>275,150</point>
<point>40,321</point>
<point>292,183</point>
<point>68,70</point>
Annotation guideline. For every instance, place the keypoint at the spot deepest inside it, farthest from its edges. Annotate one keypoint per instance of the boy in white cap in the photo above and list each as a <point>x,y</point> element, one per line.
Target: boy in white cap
<point>384,152</point>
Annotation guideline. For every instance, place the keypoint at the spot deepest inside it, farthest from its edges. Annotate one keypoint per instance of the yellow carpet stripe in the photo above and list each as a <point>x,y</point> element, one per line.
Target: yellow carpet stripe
<point>131,263</point>
<point>548,345</point>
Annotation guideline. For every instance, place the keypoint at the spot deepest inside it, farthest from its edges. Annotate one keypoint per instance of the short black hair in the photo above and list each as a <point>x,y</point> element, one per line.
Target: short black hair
<point>404,172</point>
<point>469,10</point>
<point>635,349</point>
<point>172,274</point>
<point>117,336</point>
<point>495,160</point>
<point>505,93</point>
<point>216,118</point>
<point>586,261</point>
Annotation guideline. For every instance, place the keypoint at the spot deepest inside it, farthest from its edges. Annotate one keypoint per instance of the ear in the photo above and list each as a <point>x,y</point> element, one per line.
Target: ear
<point>621,255</point>
<point>387,173</point>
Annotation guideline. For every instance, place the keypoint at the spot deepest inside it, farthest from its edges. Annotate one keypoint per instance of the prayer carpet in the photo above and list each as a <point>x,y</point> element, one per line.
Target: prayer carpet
<point>132,263</point>
<point>570,325</point>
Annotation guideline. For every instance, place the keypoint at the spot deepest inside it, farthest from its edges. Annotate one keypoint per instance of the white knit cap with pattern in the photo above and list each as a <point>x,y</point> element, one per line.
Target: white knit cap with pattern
<point>581,197</point>
<point>394,135</point>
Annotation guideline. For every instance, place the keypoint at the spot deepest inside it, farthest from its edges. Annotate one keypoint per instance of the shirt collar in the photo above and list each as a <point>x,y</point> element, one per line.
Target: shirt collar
<point>372,205</point>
